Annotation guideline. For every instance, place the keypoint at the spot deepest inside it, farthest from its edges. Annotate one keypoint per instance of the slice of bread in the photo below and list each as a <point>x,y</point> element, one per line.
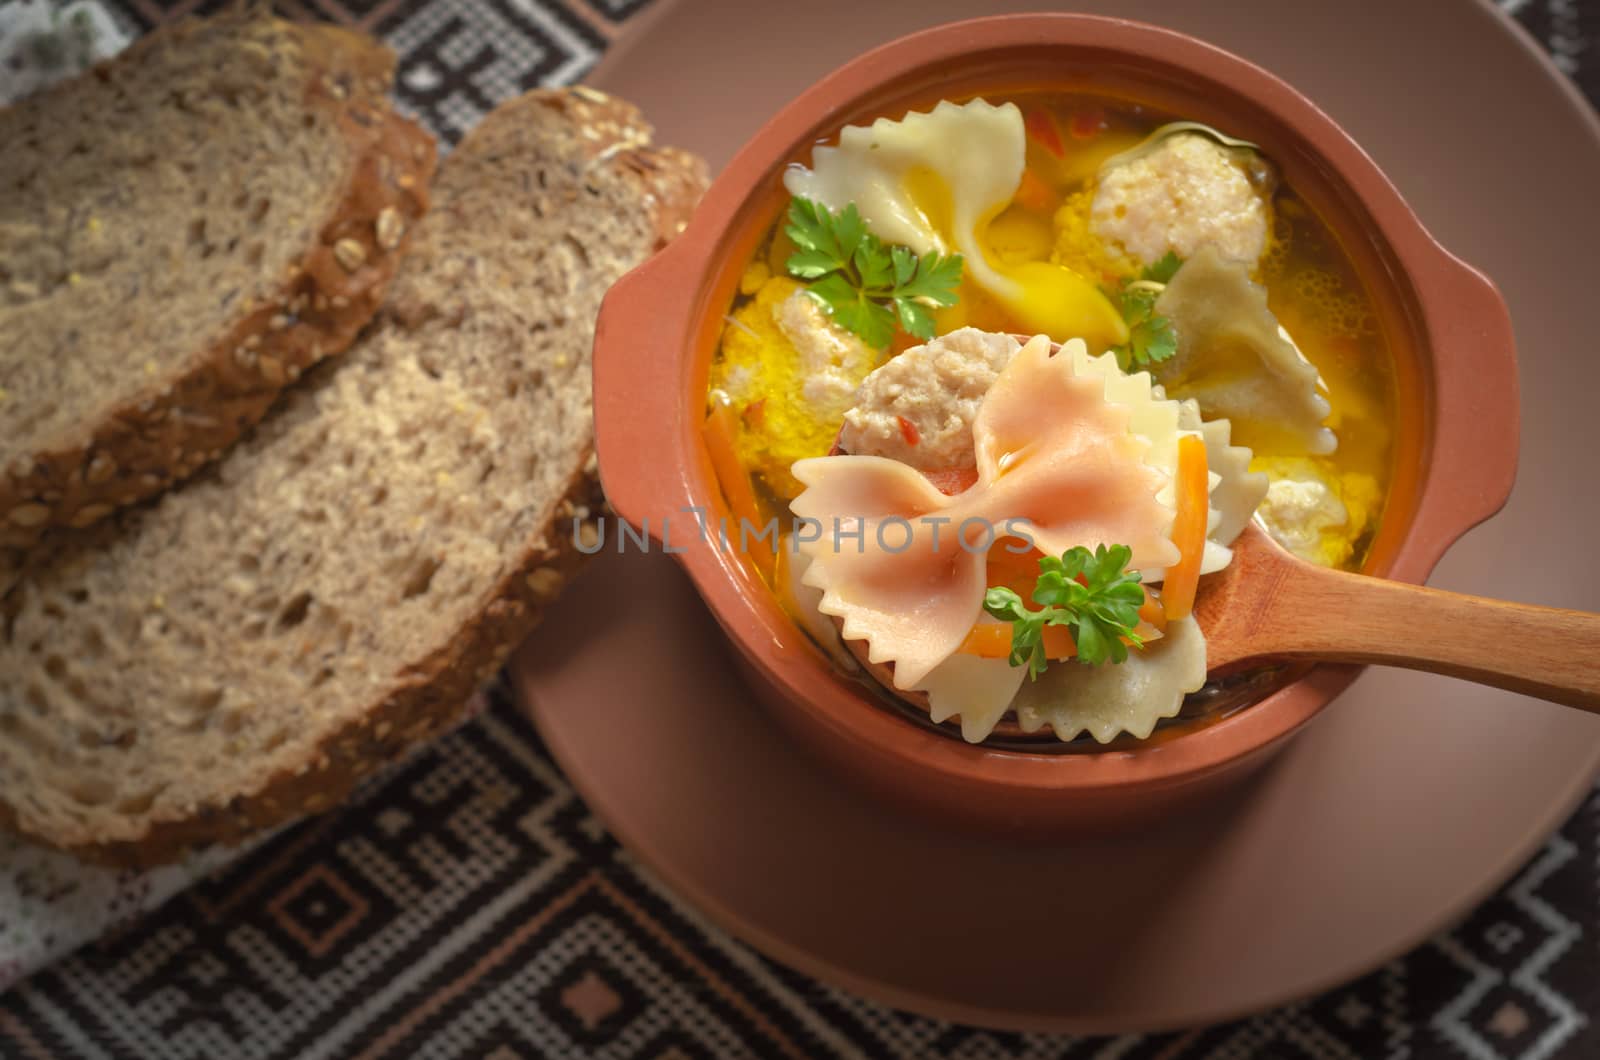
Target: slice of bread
<point>184,230</point>
<point>240,650</point>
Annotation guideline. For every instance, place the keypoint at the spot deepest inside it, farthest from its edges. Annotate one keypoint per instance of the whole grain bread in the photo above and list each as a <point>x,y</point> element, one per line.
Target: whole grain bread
<point>183,230</point>
<point>244,647</point>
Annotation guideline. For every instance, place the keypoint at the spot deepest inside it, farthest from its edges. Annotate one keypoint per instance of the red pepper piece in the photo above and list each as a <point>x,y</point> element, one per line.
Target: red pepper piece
<point>755,415</point>
<point>1042,127</point>
<point>951,481</point>
<point>1087,123</point>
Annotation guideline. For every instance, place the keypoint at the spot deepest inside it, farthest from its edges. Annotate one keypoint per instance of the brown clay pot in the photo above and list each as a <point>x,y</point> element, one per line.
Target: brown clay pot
<point>1456,442</point>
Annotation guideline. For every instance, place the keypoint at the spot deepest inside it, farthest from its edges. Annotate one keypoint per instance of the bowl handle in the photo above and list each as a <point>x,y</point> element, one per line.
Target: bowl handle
<point>1478,411</point>
<point>638,392</point>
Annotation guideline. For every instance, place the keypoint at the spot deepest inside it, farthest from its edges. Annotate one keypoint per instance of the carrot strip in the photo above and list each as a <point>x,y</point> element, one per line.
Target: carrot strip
<point>721,434</point>
<point>1152,612</point>
<point>1035,194</point>
<point>902,342</point>
<point>1058,643</point>
<point>1146,633</point>
<point>1017,571</point>
<point>988,640</point>
<point>1188,527</point>
<point>992,640</point>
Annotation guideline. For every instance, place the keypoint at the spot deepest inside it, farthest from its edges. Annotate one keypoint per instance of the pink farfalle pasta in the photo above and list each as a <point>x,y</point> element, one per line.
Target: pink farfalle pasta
<point>1056,465</point>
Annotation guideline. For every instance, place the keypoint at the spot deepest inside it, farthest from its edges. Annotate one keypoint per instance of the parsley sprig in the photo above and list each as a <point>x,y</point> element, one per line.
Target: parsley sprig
<point>1093,594</point>
<point>1150,337</point>
<point>863,283</point>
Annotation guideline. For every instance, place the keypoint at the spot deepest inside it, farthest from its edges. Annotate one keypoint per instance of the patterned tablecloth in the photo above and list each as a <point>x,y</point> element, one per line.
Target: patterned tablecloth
<point>468,904</point>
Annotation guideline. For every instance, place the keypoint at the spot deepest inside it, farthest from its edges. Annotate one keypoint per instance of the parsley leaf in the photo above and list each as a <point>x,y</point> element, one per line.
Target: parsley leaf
<point>1164,270</point>
<point>866,286</point>
<point>1150,337</point>
<point>1093,594</point>
<point>852,310</point>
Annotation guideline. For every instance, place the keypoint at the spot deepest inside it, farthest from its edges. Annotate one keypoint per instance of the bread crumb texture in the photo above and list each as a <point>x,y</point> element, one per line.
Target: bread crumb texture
<point>243,648</point>
<point>183,231</point>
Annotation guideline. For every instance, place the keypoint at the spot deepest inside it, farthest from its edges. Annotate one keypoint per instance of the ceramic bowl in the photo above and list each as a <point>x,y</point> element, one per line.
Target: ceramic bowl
<point>1456,436</point>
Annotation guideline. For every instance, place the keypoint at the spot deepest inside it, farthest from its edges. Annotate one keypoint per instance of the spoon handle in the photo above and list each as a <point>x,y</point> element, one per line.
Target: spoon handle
<point>1546,652</point>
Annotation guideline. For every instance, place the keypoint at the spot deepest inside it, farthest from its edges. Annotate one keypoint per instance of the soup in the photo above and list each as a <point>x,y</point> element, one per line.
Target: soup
<point>876,319</point>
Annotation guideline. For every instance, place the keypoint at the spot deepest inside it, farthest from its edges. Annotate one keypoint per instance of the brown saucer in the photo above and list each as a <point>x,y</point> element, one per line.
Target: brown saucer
<point>1406,802</point>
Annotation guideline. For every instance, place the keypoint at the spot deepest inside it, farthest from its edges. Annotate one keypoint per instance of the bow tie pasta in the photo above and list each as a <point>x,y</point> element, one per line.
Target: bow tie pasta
<point>934,182</point>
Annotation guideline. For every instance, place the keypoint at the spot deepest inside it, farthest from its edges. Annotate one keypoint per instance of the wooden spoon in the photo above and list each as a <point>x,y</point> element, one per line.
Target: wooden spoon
<point>1269,603</point>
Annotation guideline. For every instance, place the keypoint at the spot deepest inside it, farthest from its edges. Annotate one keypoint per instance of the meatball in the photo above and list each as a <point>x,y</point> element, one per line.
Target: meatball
<point>1185,194</point>
<point>919,407</point>
<point>789,373</point>
<point>1314,511</point>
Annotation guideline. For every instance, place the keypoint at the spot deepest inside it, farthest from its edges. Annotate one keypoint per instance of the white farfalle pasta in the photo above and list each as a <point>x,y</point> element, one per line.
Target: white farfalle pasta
<point>1130,697</point>
<point>1237,363</point>
<point>933,181</point>
<point>975,690</point>
<point>966,158</point>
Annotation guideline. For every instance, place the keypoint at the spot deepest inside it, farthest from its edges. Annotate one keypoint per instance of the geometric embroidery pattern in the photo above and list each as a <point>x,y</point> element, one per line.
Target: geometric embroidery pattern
<point>1569,32</point>
<point>469,905</point>
<point>459,60</point>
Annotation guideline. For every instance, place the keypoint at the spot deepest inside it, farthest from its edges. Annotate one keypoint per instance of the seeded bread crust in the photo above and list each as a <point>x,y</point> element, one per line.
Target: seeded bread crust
<point>148,440</point>
<point>428,700</point>
<point>599,136</point>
